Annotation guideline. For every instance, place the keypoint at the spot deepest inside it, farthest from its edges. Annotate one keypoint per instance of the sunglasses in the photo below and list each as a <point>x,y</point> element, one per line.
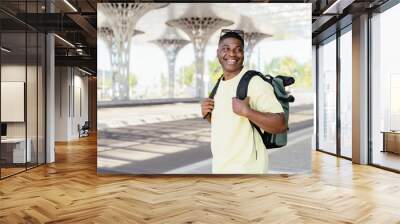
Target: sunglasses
<point>238,32</point>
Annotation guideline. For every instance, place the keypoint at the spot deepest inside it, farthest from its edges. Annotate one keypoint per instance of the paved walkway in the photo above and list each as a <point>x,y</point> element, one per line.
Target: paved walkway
<point>153,148</point>
<point>293,158</point>
<point>165,139</point>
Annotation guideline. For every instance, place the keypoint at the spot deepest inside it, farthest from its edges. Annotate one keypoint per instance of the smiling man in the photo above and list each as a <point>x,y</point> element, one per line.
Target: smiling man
<point>236,147</point>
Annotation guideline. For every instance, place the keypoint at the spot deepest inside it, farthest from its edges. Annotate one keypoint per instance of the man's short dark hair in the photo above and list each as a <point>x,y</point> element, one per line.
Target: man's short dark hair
<point>231,34</point>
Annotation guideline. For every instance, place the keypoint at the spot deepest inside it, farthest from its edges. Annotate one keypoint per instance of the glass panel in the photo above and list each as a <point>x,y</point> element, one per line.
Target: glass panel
<point>32,86</point>
<point>386,89</point>
<point>346,94</point>
<point>41,98</point>
<point>31,98</point>
<point>23,89</point>
<point>13,87</point>
<point>327,96</point>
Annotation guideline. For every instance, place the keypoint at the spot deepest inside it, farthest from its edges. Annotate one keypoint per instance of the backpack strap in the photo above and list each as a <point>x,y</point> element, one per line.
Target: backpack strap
<point>214,90</point>
<point>243,86</point>
<point>278,84</point>
<point>212,94</point>
<point>241,92</point>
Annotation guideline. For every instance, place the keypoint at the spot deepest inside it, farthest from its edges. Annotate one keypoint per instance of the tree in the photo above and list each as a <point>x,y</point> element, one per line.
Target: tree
<point>289,66</point>
<point>188,75</point>
<point>164,84</point>
<point>132,82</point>
<point>214,70</point>
<point>107,83</point>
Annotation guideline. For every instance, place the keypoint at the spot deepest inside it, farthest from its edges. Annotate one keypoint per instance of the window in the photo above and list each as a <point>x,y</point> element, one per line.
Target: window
<point>346,94</point>
<point>327,96</point>
<point>385,85</point>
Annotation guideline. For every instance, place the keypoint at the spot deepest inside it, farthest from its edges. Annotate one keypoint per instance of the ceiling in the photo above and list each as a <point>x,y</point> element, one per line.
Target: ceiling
<point>76,21</point>
<point>282,21</point>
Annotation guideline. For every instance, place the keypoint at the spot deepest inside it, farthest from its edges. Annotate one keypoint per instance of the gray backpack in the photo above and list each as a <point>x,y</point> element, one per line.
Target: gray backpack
<point>278,83</point>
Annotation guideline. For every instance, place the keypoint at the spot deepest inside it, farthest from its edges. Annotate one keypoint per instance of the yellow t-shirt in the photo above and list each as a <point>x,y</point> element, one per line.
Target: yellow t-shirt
<point>235,148</point>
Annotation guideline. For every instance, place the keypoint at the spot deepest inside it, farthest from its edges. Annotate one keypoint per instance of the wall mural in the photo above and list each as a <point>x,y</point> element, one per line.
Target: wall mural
<point>156,64</point>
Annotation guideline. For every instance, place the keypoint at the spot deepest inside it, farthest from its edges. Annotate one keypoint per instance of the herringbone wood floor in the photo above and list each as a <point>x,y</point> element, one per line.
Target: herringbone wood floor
<point>70,191</point>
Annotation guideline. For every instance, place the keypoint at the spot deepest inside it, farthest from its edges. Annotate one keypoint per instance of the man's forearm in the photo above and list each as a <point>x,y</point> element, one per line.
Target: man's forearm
<point>270,122</point>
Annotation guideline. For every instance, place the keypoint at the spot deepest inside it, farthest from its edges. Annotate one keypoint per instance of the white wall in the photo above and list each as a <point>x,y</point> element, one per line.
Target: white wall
<point>62,81</point>
<point>71,93</point>
<point>79,112</point>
